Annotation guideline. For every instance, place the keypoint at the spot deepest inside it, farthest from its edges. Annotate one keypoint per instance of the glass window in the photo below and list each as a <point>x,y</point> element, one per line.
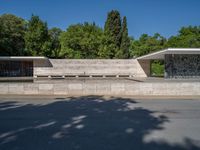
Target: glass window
<point>16,68</point>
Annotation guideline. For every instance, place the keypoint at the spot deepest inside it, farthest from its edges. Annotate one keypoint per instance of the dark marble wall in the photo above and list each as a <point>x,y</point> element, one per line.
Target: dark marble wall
<point>182,66</point>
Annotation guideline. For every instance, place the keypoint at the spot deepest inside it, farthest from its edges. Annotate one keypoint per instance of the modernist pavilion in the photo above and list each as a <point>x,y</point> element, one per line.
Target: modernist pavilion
<point>179,63</point>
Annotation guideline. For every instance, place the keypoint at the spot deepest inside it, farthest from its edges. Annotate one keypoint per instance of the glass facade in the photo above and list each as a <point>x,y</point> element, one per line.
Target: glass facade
<point>182,66</point>
<point>16,68</point>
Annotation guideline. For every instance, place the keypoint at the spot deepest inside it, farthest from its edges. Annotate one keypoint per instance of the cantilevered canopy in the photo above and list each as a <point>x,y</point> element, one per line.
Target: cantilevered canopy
<point>160,55</point>
<point>22,58</point>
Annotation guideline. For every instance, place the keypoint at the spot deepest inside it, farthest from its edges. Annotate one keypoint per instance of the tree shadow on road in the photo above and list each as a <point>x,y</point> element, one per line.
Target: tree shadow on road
<point>85,123</point>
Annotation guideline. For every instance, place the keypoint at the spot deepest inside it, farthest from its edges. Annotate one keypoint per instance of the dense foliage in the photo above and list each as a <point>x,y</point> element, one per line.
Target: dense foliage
<point>187,37</point>
<point>147,44</point>
<point>12,31</point>
<point>81,41</point>
<point>87,40</point>
<point>52,47</point>
<point>36,36</point>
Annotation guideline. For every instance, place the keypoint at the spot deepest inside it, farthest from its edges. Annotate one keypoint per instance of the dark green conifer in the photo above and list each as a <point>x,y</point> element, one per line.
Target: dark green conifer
<point>112,30</point>
<point>125,41</point>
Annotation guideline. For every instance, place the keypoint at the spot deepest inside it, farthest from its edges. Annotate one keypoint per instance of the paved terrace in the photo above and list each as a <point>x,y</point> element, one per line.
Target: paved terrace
<point>95,79</point>
<point>116,80</point>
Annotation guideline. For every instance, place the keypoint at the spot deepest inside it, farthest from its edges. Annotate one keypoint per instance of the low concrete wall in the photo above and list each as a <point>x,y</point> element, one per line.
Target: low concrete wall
<point>101,88</point>
<point>90,66</point>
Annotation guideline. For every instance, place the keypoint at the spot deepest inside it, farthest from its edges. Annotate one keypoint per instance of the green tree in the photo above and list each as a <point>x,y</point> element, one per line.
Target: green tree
<point>52,47</point>
<point>188,37</point>
<point>12,30</point>
<point>125,41</point>
<point>36,36</point>
<point>107,47</point>
<point>147,44</point>
<point>112,31</point>
<point>81,41</point>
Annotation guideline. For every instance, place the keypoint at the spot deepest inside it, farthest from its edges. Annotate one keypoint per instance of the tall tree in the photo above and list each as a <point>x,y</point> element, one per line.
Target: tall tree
<point>36,36</point>
<point>12,30</point>
<point>112,29</point>
<point>52,47</point>
<point>125,41</point>
<point>81,41</point>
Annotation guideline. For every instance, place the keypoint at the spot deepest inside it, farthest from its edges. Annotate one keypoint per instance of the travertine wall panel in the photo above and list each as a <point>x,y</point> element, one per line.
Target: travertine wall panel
<point>60,89</point>
<point>90,66</point>
<point>31,89</point>
<point>102,88</point>
<point>4,88</point>
<point>15,88</point>
<point>46,89</point>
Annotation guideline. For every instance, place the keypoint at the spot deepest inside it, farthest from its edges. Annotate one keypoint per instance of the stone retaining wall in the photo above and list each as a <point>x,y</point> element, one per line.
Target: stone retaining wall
<point>101,88</point>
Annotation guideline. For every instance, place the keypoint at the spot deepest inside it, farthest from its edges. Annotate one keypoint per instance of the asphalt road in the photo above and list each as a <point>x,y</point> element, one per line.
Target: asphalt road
<point>99,123</point>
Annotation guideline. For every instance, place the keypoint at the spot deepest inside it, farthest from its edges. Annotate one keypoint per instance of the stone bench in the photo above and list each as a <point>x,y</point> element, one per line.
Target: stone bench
<point>84,76</point>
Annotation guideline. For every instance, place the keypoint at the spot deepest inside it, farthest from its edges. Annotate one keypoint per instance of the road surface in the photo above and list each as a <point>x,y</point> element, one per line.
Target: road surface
<point>99,123</point>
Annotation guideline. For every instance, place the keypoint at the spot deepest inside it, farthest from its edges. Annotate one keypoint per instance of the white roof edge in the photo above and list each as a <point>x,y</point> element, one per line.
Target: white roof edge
<point>23,57</point>
<point>151,54</point>
<point>183,49</point>
<point>168,51</point>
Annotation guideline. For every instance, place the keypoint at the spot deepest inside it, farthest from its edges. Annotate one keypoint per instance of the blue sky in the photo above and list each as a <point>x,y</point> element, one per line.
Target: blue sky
<point>144,16</point>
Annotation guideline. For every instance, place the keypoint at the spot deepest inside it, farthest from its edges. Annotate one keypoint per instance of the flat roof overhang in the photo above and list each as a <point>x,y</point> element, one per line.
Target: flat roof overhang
<point>25,58</point>
<point>160,55</point>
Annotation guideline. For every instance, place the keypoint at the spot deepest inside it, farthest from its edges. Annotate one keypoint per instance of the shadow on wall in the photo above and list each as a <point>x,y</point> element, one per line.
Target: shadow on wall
<point>85,123</point>
<point>146,67</point>
<point>43,63</point>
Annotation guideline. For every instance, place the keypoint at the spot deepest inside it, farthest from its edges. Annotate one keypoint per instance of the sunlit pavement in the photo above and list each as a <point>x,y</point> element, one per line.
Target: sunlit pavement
<point>99,123</point>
